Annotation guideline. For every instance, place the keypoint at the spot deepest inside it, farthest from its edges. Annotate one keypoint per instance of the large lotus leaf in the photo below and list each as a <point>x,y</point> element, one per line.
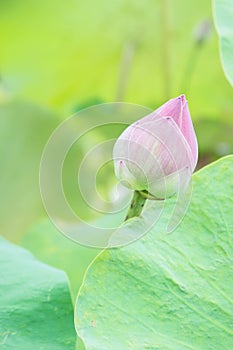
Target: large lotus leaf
<point>168,291</point>
<point>62,53</point>
<point>223,11</point>
<point>35,303</point>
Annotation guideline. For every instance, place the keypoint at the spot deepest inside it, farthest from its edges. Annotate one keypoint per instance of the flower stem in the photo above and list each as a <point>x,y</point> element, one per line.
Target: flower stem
<point>166,46</point>
<point>125,66</point>
<point>189,69</point>
<point>136,205</point>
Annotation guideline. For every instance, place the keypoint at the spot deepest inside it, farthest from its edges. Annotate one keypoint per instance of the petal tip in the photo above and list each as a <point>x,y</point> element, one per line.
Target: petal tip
<point>183,99</point>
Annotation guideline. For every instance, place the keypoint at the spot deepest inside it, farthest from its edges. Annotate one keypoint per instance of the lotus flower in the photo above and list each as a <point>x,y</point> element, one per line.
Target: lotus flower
<point>158,154</point>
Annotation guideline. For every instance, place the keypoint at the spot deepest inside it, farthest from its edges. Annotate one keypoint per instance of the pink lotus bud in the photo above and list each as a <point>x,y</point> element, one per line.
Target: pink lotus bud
<point>158,153</point>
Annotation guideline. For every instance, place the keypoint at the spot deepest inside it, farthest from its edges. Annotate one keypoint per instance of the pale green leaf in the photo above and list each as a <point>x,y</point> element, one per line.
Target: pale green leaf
<point>223,12</point>
<point>35,303</point>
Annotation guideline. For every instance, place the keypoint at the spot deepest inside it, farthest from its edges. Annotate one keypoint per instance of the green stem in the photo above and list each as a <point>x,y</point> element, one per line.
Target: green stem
<point>200,39</point>
<point>189,69</point>
<point>136,205</point>
<point>166,47</point>
<point>125,66</point>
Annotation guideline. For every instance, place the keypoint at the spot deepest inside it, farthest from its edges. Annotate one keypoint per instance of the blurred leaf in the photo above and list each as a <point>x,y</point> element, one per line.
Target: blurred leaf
<point>62,53</point>
<point>168,291</point>
<point>24,130</point>
<point>36,308</point>
<point>223,11</point>
<point>215,140</point>
<point>50,246</point>
<point>88,103</point>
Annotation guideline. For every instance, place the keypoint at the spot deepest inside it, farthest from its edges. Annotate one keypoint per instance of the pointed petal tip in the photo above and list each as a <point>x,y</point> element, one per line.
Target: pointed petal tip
<point>183,99</point>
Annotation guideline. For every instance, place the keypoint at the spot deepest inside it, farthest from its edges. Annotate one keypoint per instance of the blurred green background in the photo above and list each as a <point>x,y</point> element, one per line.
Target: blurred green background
<point>57,57</point>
